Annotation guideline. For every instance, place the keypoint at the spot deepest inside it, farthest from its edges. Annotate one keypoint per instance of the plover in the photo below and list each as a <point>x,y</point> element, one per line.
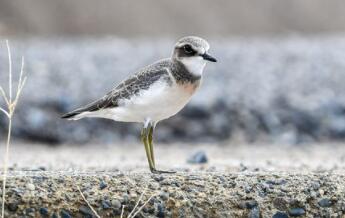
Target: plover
<point>156,92</point>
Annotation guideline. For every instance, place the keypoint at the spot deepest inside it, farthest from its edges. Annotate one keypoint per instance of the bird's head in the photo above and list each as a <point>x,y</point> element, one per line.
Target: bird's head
<point>192,52</point>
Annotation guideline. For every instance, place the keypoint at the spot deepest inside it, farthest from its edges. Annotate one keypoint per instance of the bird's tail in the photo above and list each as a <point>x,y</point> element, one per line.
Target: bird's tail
<point>82,111</point>
<point>68,115</point>
<point>73,115</point>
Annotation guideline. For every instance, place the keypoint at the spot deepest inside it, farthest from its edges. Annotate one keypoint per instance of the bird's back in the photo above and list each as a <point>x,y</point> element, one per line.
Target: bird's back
<point>140,81</point>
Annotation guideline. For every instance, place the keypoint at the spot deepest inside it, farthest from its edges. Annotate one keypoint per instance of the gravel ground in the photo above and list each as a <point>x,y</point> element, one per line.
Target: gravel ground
<point>206,194</point>
<point>235,180</point>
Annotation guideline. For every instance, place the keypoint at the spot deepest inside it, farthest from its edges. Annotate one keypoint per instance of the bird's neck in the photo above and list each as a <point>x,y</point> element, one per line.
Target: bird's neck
<point>183,73</point>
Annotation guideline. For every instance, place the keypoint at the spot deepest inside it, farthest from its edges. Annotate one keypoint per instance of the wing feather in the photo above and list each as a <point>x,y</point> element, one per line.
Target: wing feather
<point>126,89</point>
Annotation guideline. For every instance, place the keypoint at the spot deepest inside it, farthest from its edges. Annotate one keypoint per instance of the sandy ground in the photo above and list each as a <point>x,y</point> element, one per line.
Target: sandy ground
<point>237,181</point>
<point>225,157</point>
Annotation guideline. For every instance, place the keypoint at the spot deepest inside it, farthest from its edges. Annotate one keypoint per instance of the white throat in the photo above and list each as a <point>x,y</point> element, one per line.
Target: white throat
<point>195,65</point>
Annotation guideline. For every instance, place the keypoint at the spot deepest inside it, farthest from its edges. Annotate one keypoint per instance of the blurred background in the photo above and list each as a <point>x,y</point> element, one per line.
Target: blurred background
<point>280,76</point>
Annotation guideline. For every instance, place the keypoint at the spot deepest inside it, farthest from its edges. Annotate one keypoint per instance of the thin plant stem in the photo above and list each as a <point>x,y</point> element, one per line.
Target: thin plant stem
<point>11,106</point>
<point>142,206</point>
<point>88,204</point>
<point>9,70</point>
<point>122,211</point>
<point>3,94</point>
<point>137,204</point>
<point>5,112</point>
<point>21,83</point>
<point>5,167</point>
<point>21,74</point>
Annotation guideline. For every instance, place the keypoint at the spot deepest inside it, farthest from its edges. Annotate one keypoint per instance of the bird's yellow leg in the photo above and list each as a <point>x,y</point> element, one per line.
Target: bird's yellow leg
<point>150,141</point>
<point>151,144</point>
<point>144,139</point>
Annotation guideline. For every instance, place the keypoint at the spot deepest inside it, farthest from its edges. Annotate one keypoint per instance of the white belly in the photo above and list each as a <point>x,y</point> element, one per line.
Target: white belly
<point>159,102</point>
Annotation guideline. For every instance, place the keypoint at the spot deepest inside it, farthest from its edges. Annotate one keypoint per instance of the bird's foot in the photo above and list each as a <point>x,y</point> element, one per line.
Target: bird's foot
<point>161,171</point>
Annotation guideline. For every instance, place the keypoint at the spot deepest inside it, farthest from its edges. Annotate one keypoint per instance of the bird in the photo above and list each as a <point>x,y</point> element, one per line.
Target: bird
<point>154,93</point>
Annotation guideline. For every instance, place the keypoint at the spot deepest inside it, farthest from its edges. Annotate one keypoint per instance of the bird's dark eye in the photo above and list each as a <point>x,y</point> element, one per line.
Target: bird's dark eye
<point>188,49</point>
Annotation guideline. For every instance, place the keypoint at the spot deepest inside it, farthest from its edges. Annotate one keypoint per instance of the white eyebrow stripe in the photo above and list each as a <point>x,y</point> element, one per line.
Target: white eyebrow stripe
<point>180,44</point>
<point>200,50</point>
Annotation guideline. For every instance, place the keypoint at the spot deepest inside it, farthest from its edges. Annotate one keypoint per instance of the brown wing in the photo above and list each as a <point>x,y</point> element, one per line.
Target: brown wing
<point>140,81</point>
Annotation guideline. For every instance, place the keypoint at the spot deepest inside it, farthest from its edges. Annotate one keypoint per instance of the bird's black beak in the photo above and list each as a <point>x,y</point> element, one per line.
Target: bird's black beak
<point>208,57</point>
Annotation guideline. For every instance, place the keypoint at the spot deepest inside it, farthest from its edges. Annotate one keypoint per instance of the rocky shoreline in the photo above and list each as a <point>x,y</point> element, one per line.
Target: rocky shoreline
<point>198,194</point>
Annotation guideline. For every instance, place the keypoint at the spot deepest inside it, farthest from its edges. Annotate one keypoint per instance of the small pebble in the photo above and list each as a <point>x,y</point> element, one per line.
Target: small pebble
<point>313,194</point>
<point>106,204</point>
<point>29,210</point>
<point>30,186</point>
<point>116,204</point>
<point>86,211</point>
<point>153,186</point>
<point>254,213</point>
<point>315,185</point>
<point>251,204</point>
<point>133,195</point>
<point>125,198</point>
<point>103,185</point>
<point>198,158</point>
<point>117,212</point>
<point>296,212</point>
<point>160,210</point>
<point>65,214</point>
<point>248,189</point>
<point>44,211</point>
<point>325,202</point>
<point>280,215</point>
<point>150,210</point>
<point>280,203</point>
<point>164,196</point>
<point>322,192</point>
<point>158,178</point>
<point>248,204</point>
<point>12,207</point>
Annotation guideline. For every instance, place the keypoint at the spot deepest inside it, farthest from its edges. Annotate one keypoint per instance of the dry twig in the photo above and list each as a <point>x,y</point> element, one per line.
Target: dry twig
<point>131,215</point>
<point>142,207</point>
<point>88,204</point>
<point>122,211</point>
<point>136,205</point>
<point>11,106</point>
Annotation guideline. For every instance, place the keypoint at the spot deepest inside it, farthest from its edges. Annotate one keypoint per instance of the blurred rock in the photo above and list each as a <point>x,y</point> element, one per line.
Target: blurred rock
<point>325,202</point>
<point>296,212</point>
<point>44,211</point>
<point>280,215</point>
<point>198,158</point>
